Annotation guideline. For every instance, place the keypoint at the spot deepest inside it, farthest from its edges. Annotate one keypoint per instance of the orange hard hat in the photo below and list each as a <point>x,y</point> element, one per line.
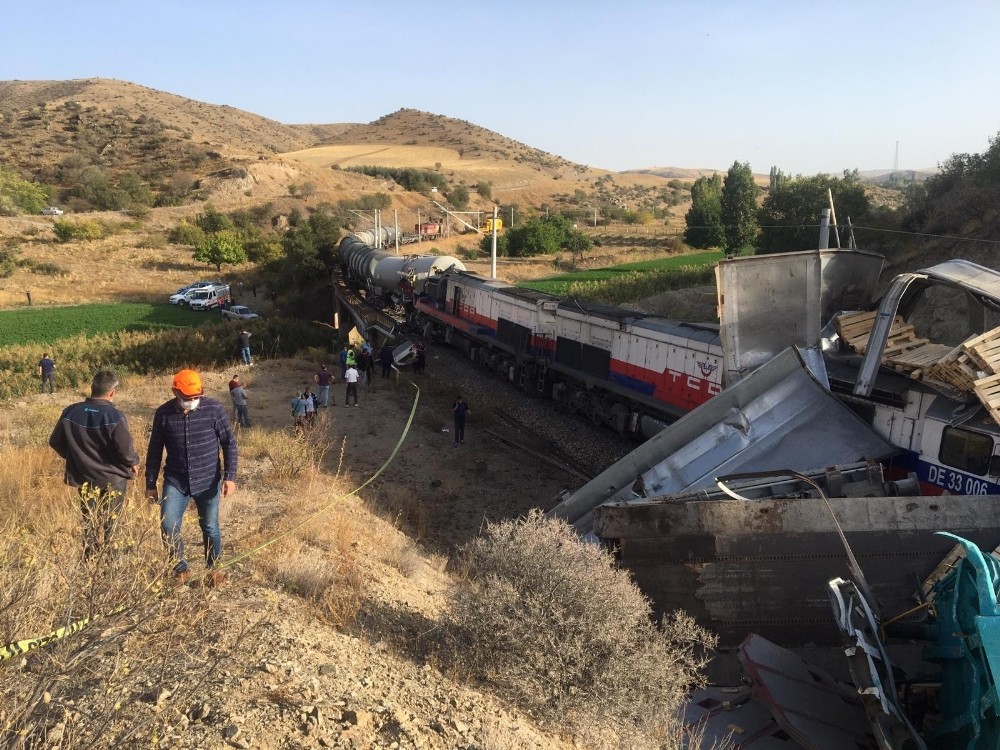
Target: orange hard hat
<point>188,383</point>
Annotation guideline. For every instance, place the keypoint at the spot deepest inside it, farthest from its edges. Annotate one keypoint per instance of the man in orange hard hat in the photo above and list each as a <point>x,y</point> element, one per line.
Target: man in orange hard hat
<point>191,427</point>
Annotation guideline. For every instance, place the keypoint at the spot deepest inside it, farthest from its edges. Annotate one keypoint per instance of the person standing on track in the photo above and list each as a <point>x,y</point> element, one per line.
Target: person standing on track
<point>385,358</point>
<point>460,410</point>
<point>192,428</point>
<point>94,440</point>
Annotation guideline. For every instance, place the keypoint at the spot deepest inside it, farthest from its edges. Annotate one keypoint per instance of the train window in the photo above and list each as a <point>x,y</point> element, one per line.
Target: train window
<point>966,450</point>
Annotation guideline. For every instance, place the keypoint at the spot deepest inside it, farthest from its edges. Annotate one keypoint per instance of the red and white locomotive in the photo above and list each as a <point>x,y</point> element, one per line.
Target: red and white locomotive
<point>632,371</point>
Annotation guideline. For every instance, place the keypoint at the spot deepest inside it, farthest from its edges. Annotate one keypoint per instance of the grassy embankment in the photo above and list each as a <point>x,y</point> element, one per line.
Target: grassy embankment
<point>134,339</point>
<point>631,281</point>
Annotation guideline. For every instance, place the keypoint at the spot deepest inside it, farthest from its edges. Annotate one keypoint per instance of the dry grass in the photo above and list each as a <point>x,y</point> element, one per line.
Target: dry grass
<point>130,621</point>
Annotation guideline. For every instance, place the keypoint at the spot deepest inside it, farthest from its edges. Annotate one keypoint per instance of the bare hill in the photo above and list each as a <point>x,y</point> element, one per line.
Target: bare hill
<point>681,173</point>
<point>124,126</point>
<point>189,151</point>
<point>412,127</point>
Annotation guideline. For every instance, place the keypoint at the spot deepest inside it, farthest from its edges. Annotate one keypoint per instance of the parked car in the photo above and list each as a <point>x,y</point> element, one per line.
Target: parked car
<point>52,211</point>
<point>208,297</point>
<point>183,296</point>
<point>239,312</point>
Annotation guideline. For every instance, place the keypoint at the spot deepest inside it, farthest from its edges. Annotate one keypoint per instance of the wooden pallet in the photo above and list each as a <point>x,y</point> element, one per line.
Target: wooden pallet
<point>919,357</point>
<point>985,350</point>
<point>988,391</point>
<point>855,328</point>
<point>957,369</point>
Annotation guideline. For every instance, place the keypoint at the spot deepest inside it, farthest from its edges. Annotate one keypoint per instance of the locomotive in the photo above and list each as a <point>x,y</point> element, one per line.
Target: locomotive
<point>629,370</point>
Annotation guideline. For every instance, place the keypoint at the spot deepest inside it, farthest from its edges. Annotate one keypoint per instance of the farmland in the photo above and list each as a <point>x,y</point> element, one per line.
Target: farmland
<point>47,325</point>
<point>696,264</point>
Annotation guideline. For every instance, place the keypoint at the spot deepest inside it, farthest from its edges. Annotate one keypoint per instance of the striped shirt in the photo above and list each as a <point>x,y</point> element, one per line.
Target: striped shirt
<point>192,441</point>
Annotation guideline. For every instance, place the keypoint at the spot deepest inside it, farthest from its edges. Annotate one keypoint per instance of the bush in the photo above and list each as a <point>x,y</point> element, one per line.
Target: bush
<point>553,624</point>
<point>88,229</point>
<point>186,234</point>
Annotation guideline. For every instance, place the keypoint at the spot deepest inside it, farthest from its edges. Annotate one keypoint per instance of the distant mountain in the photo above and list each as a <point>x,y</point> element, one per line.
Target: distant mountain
<point>689,175</point>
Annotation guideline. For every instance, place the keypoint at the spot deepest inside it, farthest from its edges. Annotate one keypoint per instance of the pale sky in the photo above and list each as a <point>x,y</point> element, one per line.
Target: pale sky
<point>806,86</point>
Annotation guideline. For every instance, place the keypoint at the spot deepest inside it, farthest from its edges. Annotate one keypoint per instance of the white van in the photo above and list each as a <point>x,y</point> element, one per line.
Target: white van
<point>209,297</point>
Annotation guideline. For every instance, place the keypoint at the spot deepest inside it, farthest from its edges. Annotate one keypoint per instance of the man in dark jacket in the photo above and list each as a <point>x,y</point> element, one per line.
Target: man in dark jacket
<point>244,342</point>
<point>94,440</point>
<point>191,427</point>
<point>386,359</point>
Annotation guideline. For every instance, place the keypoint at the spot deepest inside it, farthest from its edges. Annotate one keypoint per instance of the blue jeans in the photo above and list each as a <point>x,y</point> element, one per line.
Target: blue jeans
<point>242,415</point>
<point>172,507</point>
<point>245,353</point>
<point>324,395</point>
<point>51,380</point>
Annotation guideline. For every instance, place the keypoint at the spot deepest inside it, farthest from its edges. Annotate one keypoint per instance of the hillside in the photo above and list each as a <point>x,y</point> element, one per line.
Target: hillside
<point>127,125</point>
<point>411,127</point>
<point>53,132</point>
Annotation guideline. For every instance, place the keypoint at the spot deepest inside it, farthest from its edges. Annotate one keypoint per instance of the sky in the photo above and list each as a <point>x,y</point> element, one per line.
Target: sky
<point>805,86</point>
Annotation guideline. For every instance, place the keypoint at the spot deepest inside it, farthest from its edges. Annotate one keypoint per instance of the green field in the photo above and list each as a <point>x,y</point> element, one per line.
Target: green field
<point>46,325</point>
<point>562,284</point>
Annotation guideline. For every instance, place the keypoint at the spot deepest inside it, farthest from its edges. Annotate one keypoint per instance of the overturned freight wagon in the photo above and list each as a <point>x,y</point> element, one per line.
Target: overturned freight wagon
<point>760,564</point>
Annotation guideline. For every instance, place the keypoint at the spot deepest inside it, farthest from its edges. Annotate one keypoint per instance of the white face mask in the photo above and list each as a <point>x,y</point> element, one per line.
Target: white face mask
<point>189,405</point>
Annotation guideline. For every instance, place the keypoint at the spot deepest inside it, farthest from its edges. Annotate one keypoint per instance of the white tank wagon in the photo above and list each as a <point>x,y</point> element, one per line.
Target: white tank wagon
<point>384,273</point>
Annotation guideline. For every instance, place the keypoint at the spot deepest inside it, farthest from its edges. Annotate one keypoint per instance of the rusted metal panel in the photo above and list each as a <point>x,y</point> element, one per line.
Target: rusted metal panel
<point>763,565</point>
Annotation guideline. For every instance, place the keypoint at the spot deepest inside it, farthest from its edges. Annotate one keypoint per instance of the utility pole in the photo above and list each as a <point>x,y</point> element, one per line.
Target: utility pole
<point>395,225</point>
<point>595,217</point>
<point>512,216</point>
<point>493,252</point>
<point>419,227</point>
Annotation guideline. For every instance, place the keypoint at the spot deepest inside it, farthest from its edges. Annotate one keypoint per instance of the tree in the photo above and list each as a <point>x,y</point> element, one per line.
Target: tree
<point>790,214</point>
<point>309,252</point>
<point>211,221</point>
<point>458,196</point>
<point>485,189</point>
<point>221,247</point>
<point>739,207</point>
<point>776,179</point>
<point>704,218</point>
<point>18,195</point>
<point>578,243</point>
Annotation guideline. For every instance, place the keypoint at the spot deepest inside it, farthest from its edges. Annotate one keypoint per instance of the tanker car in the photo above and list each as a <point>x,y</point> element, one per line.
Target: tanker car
<point>622,368</point>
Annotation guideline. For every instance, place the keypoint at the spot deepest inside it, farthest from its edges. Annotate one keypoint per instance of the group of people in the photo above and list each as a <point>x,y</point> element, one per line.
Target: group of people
<point>93,438</point>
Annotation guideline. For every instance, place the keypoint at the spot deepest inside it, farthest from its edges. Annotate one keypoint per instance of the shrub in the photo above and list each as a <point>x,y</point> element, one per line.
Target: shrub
<point>553,624</point>
<point>186,234</point>
<point>47,269</point>
<point>87,229</point>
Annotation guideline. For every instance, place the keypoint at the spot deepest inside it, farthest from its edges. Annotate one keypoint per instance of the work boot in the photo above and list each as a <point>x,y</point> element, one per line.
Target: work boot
<point>181,577</point>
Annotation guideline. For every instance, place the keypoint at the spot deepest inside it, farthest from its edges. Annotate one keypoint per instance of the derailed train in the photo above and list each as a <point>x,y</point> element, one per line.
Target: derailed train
<point>632,371</point>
